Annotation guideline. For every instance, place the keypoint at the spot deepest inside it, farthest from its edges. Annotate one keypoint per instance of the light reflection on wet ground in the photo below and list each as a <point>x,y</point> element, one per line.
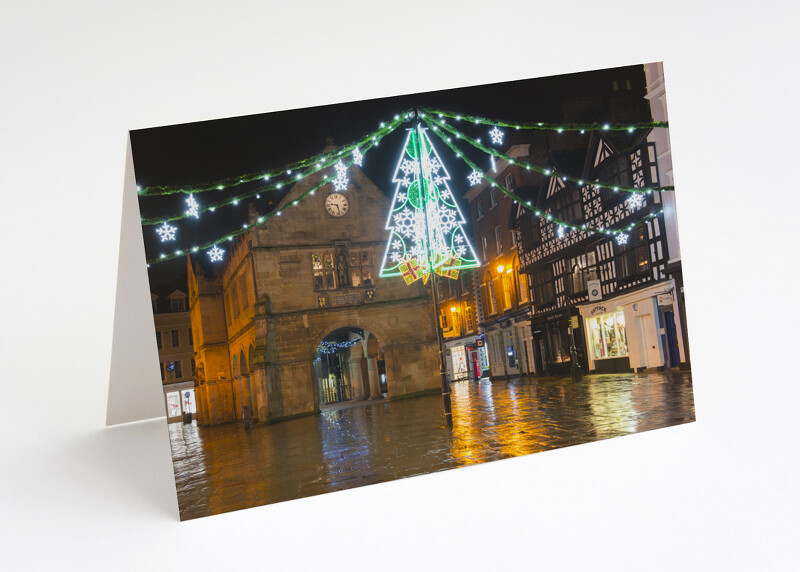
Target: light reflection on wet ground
<point>219,469</point>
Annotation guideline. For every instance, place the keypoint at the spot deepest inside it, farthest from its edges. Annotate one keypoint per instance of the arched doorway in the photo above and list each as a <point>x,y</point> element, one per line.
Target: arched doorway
<point>349,366</point>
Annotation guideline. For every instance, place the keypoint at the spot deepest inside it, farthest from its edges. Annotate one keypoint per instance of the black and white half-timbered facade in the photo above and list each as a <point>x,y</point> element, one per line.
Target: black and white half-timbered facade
<point>613,292</point>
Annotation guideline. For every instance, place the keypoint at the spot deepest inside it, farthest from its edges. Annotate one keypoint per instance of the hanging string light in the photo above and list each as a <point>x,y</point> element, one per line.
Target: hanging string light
<point>542,126</point>
<point>527,204</point>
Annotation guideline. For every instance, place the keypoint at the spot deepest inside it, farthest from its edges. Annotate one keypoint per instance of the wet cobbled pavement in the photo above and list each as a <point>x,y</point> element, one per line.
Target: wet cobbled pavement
<point>224,468</point>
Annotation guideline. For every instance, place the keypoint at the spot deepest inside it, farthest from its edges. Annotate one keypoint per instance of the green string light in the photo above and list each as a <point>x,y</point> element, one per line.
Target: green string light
<point>224,184</point>
<point>527,204</point>
<point>541,126</point>
<point>245,227</point>
<point>333,159</point>
<point>535,168</point>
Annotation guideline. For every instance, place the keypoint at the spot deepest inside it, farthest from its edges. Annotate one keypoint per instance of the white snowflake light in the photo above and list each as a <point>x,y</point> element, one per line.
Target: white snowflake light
<point>409,167</point>
<point>494,165</point>
<point>622,238</point>
<point>216,253</point>
<point>634,201</point>
<point>474,178</point>
<point>496,135</point>
<point>166,232</point>
<point>560,231</point>
<point>340,182</point>
<point>406,182</point>
<point>358,157</point>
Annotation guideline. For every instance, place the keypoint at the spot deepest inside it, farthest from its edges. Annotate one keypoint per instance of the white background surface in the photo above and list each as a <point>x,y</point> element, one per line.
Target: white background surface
<point>719,494</point>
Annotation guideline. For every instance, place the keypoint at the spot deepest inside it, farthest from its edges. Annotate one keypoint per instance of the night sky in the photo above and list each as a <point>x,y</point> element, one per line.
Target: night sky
<point>203,152</point>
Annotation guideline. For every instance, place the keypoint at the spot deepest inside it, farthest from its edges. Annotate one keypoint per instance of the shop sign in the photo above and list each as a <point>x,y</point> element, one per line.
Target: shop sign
<point>665,299</point>
<point>598,310</point>
<point>595,293</point>
<point>573,321</point>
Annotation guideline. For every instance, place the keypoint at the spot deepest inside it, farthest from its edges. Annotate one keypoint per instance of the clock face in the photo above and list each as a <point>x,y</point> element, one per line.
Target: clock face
<point>337,204</point>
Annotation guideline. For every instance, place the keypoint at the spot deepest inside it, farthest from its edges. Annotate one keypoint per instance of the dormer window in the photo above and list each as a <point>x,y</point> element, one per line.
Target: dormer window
<point>178,304</point>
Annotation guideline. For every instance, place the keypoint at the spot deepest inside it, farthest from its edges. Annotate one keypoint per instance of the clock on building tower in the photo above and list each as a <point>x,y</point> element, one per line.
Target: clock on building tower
<point>337,204</point>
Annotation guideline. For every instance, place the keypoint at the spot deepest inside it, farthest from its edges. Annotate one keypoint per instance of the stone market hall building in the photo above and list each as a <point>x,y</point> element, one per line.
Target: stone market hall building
<point>299,279</point>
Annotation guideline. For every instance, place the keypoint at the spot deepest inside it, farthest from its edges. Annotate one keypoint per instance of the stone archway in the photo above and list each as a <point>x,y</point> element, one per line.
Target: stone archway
<point>349,373</point>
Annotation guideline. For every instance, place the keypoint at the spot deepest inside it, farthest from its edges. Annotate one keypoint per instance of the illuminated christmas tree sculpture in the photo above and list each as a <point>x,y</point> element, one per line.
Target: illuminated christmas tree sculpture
<point>426,224</point>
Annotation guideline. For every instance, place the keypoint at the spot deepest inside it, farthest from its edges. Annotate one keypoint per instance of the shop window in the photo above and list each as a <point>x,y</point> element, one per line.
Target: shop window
<point>189,403</point>
<point>633,258</point>
<point>543,288</point>
<point>176,339</point>
<point>459,360</point>
<point>607,336</point>
<point>174,404</point>
<point>557,350</point>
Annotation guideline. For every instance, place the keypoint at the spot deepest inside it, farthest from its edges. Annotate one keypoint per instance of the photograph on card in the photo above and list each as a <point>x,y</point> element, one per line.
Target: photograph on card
<point>350,294</point>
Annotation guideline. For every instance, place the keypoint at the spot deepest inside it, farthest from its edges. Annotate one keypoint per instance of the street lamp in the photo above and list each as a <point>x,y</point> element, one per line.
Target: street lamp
<point>575,367</point>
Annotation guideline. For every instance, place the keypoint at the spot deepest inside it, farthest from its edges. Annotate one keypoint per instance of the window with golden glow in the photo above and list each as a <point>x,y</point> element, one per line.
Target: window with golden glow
<point>607,336</point>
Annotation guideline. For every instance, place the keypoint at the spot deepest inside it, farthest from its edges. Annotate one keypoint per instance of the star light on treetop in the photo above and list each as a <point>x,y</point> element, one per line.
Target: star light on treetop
<point>166,232</point>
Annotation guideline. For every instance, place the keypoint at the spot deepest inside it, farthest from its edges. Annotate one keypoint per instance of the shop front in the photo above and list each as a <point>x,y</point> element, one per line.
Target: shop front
<point>633,332</point>
<point>550,343</point>
<point>509,348</point>
<point>466,358</point>
<point>179,399</point>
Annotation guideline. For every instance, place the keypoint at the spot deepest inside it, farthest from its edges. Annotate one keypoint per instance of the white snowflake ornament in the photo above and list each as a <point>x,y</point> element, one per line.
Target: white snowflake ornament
<point>216,253</point>
<point>166,232</point>
<point>474,178</point>
<point>496,135</point>
<point>635,201</point>
<point>358,157</point>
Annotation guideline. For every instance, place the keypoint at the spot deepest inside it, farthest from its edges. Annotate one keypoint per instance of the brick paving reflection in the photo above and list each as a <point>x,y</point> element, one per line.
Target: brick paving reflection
<point>219,469</point>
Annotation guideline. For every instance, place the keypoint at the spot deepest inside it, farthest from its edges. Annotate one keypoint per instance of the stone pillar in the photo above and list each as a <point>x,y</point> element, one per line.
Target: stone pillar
<point>374,385</point>
<point>356,381</point>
